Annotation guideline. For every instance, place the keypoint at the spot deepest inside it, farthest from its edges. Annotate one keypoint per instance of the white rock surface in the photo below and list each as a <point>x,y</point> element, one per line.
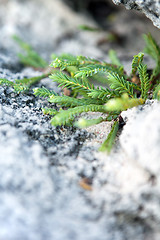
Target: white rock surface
<point>41,167</point>
<point>140,138</point>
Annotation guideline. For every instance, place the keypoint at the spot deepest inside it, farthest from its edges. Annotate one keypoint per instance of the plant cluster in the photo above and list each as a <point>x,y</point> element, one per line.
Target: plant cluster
<point>77,74</point>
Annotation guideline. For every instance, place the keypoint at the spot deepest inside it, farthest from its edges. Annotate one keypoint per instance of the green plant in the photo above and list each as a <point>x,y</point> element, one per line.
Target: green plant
<point>30,57</point>
<point>77,72</point>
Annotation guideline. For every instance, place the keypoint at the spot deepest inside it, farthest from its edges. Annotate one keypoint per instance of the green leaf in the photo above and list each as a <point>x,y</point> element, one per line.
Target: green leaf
<point>77,85</point>
<point>121,84</point>
<point>49,111</point>
<point>108,143</point>
<point>137,60</point>
<point>66,101</point>
<point>30,58</point>
<point>4,81</point>
<point>113,57</point>
<point>101,93</point>
<point>90,70</point>
<point>66,60</point>
<point>24,84</point>
<point>43,92</point>
<point>151,47</point>
<point>145,81</point>
<point>123,103</point>
<point>84,123</point>
<point>156,93</point>
<point>66,116</point>
<point>88,28</point>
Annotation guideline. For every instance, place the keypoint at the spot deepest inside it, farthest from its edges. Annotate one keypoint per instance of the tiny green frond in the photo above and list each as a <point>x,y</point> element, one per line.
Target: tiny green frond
<point>108,143</point>
<point>66,116</point>
<point>43,92</point>
<point>21,85</point>
<point>118,94</point>
<point>21,43</point>
<point>113,57</point>
<point>29,81</point>
<point>137,60</point>
<point>145,81</point>
<point>152,47</point>
<point>156,93</point>
<point>6,82</point>
<point>63,64</point>
<point>101,93</point>
<point>66,101</point>
<point>121,84</point>
<point>88,28</point>
<point>123,103</point>
<point>69,82</point>
<point>31,58</point>
<point>84,123</point>
<point>19,88</point>
<point>49,111</point>
<point>66,60</point>
<point>90,70</point>
<point>24,84</point>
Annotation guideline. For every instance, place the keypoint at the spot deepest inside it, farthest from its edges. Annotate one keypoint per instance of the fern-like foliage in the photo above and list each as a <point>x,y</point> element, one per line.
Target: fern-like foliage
<point>123,103</point>
<point>90,70</point>
<point>6,82</point>
<point>108,143</point>
<point>137,60</point>
<point>88,28</point>
<point>102,93</point>
<point>49,111</point>
<point>44,92</point>
<point>25,83</point>
<point>113,57</point>
<point>119,92</point>
<point>84,123</point>
<point>30,58</point>
<point>82,86</point>
<point>67,116</point>
<point>21,85</point>
<point>66,101</point>
<point>66,60</point>
<point>145,81</point>
<point>77,85</point>
<point>156,92</point>
<point>121,84</point>
<point>153,49</point>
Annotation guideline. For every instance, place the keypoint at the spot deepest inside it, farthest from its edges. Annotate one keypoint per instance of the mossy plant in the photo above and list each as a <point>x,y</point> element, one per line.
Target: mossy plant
<point>77,74</point>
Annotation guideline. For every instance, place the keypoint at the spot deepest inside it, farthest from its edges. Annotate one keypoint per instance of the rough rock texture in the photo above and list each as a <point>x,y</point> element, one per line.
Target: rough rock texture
<point>150,8</point>
<point>54,184</point>
<point>42,174</point>
<point>137,143</point>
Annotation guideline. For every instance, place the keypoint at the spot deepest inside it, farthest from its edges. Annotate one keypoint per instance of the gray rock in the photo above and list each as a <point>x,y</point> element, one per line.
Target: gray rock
<point>140,142</point>
<point>43,169</point>
<point>150,8</point>
<point>21,160</point>
<point>140,138</point>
